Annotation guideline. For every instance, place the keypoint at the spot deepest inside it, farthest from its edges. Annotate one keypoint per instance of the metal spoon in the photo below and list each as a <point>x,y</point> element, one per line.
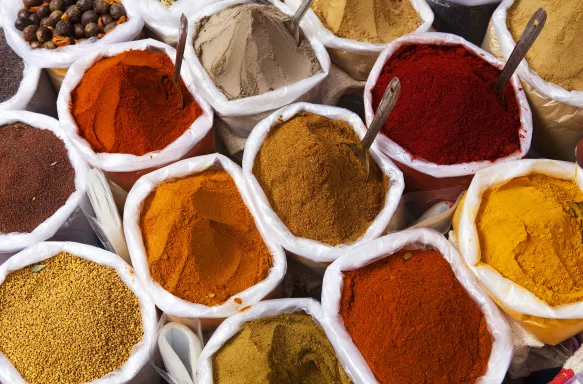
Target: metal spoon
<point>293,23</point>
<point>180,55</point>
<point>385,107</point>
<point>533,29</point>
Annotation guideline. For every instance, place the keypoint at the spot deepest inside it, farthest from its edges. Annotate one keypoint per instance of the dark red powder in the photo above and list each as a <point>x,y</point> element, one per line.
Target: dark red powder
<point>448,111</point>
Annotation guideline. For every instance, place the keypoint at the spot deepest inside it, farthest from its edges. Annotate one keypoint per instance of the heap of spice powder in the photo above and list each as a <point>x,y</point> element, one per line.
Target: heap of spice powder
<point>201,240</point>
<point>286,349</point>
<point>67,320</point>
<point>530,231</point>
<point>128,104</point>
<point>414,322</point>
<point>37,177</point>
<point>11,70</point>
<point>448,111</point>
<point>315,182</point>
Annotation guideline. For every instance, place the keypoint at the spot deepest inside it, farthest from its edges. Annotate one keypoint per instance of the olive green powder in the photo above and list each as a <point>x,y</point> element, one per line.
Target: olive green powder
<point>67,320</point>
<point>284,349</point>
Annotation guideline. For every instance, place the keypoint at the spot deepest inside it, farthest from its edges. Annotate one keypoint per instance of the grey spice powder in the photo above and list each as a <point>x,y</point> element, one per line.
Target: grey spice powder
<point>11,67</point>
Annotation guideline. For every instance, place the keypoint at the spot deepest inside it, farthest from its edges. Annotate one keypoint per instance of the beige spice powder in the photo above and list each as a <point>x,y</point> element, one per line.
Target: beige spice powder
<point>73,322</point>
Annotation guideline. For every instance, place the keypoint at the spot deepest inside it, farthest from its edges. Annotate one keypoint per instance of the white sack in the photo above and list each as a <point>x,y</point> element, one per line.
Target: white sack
<point>356,57</point>
<point>504,290</point>
<point>136,369</point>
<point>385,247</point>
<point>264,309</point>
<point>64,56</point>
<point>167,302</point>
<point>307,249</point>
<point>243,114</point>
<point>14,242</point>
<point>399,154</point>
<point>117,162</point>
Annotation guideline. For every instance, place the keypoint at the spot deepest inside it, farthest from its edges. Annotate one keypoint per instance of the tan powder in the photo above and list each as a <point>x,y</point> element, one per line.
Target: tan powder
<point>557,54</point>
<point>372,21</point>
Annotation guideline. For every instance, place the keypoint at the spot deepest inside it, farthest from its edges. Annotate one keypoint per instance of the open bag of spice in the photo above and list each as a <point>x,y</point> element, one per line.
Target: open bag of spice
<point>519,230</point>
<point>355,32</point>
<point>43,180</point>
<point>404,308</point>
<point>245,72</point>
<point>551,73</point>
<point>275,340</point>
<point>198,243</point>
<point>74,313</point>
<point>161,125</point>
<point>309,184</point>
<point>449,121</point>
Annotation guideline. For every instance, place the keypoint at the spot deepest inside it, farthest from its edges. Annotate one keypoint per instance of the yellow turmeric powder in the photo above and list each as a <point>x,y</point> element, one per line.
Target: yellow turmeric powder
<point>529,233</point>
<point>201,240</point>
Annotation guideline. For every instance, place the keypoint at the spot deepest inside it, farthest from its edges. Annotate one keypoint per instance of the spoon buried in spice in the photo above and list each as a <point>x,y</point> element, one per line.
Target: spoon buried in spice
<point>293,23</point>
<point>385,107</point>
<point>533,29</point>
<point>179,55</point>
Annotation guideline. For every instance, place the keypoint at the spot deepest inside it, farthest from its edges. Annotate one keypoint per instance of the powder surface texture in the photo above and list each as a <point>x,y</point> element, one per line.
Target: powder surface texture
<point>129,104</point>
<point>529,233</point>
<point>314,181</point>
<point>247,51</point>
<point>371,21</point>
<point>448,111</point>
<point>414,322</point>
<point>556,54</point>
<point>201,240</point>
<point>37,177</point>
<point>284,349</point>
<point>11,70</point>
<point>73,322</point>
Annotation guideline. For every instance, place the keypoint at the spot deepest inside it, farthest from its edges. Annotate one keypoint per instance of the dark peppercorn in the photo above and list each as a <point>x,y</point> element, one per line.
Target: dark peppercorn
<point>29,33</point>
<point>109,27</point>
<point>55,17</point>
<point>43,11</point>
<point>34,18</point>
<point>117,11</point>
<point>85,5</point>
<point>91,30</point>
<point>57,5</point>
<point>89,17</point>
<point>23,14</point>
<point>20,24</point>
<point>78,31</point>
<point>31,3</point>
<point>74,13</point>
<point>44,34</point>
<point>64,28</point>
<point>100,6</point>
<point>106,19</point>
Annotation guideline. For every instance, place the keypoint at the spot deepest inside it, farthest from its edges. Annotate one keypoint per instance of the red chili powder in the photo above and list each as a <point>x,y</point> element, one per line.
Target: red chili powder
<point>448,111</point>
<point>414,322</point>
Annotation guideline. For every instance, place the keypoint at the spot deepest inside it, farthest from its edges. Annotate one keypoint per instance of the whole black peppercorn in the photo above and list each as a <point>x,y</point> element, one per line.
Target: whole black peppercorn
<point>106,19</point>
<point>44,34</point>
<point>117,10</point>
<point>64,28</point>
<point>20,24</point>
<point>29,33</point>
<point>74,13</point>
<point>57,5</point>
<point>89,17</point>
<point>68,3</point>
<point>78,31</point>
<point>100,6</point>
<point>23,14</point>
<point>85,5</point>
<point>109,27</point>
<point>43,11</point>
<point>45,22</point>
<point>91,30</point>
<point>34,18</point>
<point>55,17</point>
<point>31,3</point>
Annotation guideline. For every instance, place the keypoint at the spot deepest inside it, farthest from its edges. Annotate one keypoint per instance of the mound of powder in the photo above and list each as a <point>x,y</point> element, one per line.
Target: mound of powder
<point>314,181</point>
<point>556,55</point>
<point>285,349</point>
<point>37,177</point>
<point>247,51</point>
<point>129,104</point>
<point>529,233</point>
<point>201,240</point>
<point>74,321</point>
<point>11,69</point>
<point>372,21</point>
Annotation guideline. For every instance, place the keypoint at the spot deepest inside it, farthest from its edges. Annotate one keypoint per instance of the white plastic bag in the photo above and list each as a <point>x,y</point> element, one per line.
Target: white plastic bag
<point>136,369</point>
<point>243,114</point>
<point>125,169</point>
<point>356,57</point>
<point>545,322</point>
<point>385,247</point>
<point>264,309</point>
<point>426,175</point>
<point>167,302</point>
<point>14,242</point>
<point>64,56</point>
<point>307,250</point>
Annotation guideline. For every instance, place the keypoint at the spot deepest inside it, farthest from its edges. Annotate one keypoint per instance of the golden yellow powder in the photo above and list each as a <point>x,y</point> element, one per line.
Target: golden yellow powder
<point>529,233</point>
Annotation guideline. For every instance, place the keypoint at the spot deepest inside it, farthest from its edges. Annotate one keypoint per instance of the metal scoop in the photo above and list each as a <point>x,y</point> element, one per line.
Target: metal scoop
<point>179,56</point>
<point>293,23</point>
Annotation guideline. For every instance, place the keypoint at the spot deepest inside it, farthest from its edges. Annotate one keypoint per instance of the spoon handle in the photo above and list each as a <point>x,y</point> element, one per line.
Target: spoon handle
<point>385,107</point>
<point>529,35</point>
<point>180,48</point>
<point>300,12</point>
